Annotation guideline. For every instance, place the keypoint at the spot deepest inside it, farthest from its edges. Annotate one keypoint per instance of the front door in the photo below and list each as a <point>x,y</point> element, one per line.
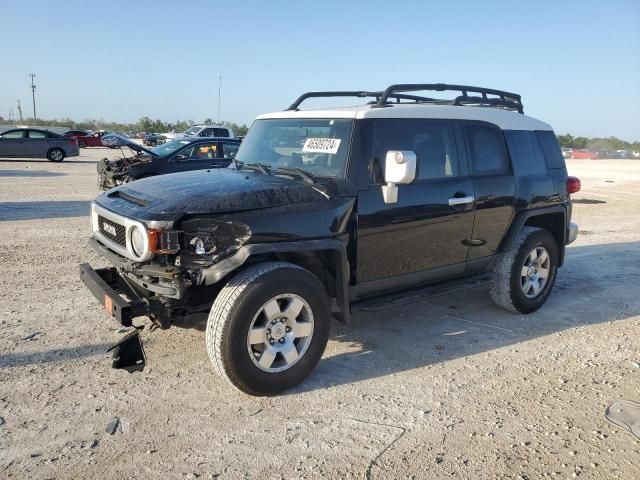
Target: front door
<point>12,143</point>
<point>196,156</point>
<point>428,229</point>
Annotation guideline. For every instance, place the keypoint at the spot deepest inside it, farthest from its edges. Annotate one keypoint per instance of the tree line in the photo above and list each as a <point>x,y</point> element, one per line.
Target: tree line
<point>145,124</point>
<point>608,143</point>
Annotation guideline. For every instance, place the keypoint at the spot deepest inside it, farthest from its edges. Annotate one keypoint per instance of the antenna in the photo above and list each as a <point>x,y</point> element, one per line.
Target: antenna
<point>19,111</point>
<point>219,97</point>
<point>33,96</point>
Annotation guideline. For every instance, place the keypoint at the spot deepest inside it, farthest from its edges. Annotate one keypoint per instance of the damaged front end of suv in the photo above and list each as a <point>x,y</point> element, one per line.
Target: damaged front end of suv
<point>170,254</point>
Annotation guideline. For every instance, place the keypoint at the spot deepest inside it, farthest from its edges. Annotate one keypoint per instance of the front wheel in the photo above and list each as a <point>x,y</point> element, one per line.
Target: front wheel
<point>268,327</point>
<point>55,155</point>
<point>82,144</point>
<point>524,277</point>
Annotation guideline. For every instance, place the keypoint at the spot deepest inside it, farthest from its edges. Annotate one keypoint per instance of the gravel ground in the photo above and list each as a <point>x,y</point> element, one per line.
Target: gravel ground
<point>424,385</point>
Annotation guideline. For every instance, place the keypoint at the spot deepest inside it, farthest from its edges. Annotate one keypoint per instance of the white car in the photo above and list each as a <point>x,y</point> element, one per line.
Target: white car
<point>209,131</point>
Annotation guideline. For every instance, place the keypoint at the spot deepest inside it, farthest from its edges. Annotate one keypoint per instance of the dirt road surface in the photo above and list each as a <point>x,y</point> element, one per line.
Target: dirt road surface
<point>422,386</point>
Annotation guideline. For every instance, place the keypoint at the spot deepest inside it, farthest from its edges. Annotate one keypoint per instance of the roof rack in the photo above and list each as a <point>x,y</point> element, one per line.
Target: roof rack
<point>498,99</point>
<point>356,93</point>
<point>506,100</point>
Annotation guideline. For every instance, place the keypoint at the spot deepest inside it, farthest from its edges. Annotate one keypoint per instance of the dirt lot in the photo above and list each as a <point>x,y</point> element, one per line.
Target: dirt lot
<point>422,386</point>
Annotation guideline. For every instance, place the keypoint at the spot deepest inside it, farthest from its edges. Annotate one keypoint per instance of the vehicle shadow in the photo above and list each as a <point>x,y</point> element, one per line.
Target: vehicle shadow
<point>30,173</point>
<point>10,211</point>
<point>43,160</point>
<point>52,356</point>
<point>415,329</point>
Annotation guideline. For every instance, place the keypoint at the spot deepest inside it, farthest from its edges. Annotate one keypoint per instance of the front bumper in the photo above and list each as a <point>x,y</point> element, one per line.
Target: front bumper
<point>107,286</point>
<point>572,233</point>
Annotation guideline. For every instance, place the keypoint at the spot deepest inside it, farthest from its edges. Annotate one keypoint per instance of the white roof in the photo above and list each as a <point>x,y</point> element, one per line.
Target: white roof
<point>505,119</point>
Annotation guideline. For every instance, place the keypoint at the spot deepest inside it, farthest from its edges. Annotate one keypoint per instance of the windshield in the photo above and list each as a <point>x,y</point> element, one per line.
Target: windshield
<point>192,131</point>
<point>318,146</point>
<point>169,147</point>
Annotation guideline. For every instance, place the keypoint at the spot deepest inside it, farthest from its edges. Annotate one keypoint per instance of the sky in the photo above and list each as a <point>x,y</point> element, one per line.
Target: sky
<point>575,63</point>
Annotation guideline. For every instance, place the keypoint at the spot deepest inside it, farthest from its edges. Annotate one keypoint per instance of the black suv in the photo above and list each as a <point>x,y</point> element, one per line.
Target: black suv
<point>175,156</point>
<point>323,208</point>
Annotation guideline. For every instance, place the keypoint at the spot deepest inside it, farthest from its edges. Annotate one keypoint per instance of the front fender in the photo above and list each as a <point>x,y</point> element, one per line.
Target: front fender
<point>221,269</point>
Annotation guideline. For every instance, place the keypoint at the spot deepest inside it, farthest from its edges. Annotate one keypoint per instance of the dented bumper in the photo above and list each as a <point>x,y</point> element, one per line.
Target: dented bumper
<point>108,287</point>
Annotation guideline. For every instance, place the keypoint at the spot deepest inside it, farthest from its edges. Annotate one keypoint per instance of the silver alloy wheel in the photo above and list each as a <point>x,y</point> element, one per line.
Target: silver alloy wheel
<point>535,272</point>
<point>56,155</point>
<point>280,333</point>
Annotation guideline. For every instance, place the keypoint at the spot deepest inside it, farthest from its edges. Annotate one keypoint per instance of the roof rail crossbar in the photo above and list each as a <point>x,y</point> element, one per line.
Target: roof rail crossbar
<point>357,93</point>
<point>509,100</point>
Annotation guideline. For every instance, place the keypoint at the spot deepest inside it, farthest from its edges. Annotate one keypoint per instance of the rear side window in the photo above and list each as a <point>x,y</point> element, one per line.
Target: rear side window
<point>487,150</point>
<point>230,150</point>
<point>550,148</point>
<point>37,134</point>
<point>525,151</point>
<point>433,143</point>
<point>220,132</point>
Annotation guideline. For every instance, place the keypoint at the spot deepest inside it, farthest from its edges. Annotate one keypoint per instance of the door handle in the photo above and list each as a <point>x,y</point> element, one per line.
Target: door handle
<point>461,200</point>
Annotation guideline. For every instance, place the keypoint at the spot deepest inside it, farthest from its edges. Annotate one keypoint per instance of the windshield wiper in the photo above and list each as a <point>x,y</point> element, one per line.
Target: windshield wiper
<point>304,175</point>
<point>261,167</point>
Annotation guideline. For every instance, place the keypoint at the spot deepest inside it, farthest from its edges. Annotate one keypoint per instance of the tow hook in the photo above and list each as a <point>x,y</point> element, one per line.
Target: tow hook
<point>128,353</point>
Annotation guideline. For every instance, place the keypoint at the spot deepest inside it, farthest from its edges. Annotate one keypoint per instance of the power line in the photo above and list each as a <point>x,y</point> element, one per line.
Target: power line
<point>33,96</point>
<point>219,97</point>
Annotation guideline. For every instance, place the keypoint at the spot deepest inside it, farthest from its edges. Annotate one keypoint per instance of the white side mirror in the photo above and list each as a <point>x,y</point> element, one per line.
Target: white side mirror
<point>400,168</point>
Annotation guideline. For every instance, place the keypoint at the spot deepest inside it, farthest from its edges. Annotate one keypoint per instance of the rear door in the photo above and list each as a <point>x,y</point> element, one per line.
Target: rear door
<point>12,143</point>
<point>37,144</point>
<point>426,231</point>
<point>494,190</point>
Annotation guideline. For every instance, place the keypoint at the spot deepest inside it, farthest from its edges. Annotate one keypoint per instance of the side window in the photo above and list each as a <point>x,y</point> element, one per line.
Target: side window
<point>221,132</point>
<point>201,151</point>
<point>37,134</point>
<point>230,150</point>
<point>526,154</point>
<point>550,149</point>
<point>14,134</point>
<point>433,143</point>
<point>207,132</point>
<point>487,150</point>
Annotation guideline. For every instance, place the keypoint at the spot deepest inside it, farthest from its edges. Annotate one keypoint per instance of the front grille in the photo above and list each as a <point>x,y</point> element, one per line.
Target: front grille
<point>107,228</point>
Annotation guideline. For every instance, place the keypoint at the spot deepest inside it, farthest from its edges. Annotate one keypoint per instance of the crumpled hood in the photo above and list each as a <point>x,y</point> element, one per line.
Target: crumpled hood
<point>115,140</point>
<point>222,190</point>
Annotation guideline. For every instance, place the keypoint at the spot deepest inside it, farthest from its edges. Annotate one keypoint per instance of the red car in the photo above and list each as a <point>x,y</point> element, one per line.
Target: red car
<point>86,139</point>
<point>585,154</point>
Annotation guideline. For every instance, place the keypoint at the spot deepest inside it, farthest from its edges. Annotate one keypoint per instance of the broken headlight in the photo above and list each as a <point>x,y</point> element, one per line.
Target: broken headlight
<point>207,241</point>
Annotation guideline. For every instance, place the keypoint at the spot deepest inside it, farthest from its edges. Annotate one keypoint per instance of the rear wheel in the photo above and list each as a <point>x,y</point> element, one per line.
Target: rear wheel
<point>525,275</point>
<point>82,144</point>
<point>268,327</point>
<point>55,155</point>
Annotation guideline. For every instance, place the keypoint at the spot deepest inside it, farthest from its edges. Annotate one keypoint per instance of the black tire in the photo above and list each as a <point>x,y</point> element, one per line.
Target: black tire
<point>55,155</point>
<point>506,286</point>
<point>82,144</point>
<point>232,314</point>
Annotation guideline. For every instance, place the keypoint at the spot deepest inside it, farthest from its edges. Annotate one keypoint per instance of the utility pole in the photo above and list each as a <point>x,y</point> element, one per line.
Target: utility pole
<point>219,91</point>
<point>33,96</point>
<point>20,111</point>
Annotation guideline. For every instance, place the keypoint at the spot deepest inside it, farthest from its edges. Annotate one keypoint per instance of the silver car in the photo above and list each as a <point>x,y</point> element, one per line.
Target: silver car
<point>34,143</point>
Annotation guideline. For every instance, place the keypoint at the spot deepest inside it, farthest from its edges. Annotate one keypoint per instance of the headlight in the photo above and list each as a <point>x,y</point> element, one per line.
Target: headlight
<point>138,240</point>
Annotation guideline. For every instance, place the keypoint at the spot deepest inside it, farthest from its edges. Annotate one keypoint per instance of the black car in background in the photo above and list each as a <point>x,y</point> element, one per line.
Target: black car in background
<point>177,155</point>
